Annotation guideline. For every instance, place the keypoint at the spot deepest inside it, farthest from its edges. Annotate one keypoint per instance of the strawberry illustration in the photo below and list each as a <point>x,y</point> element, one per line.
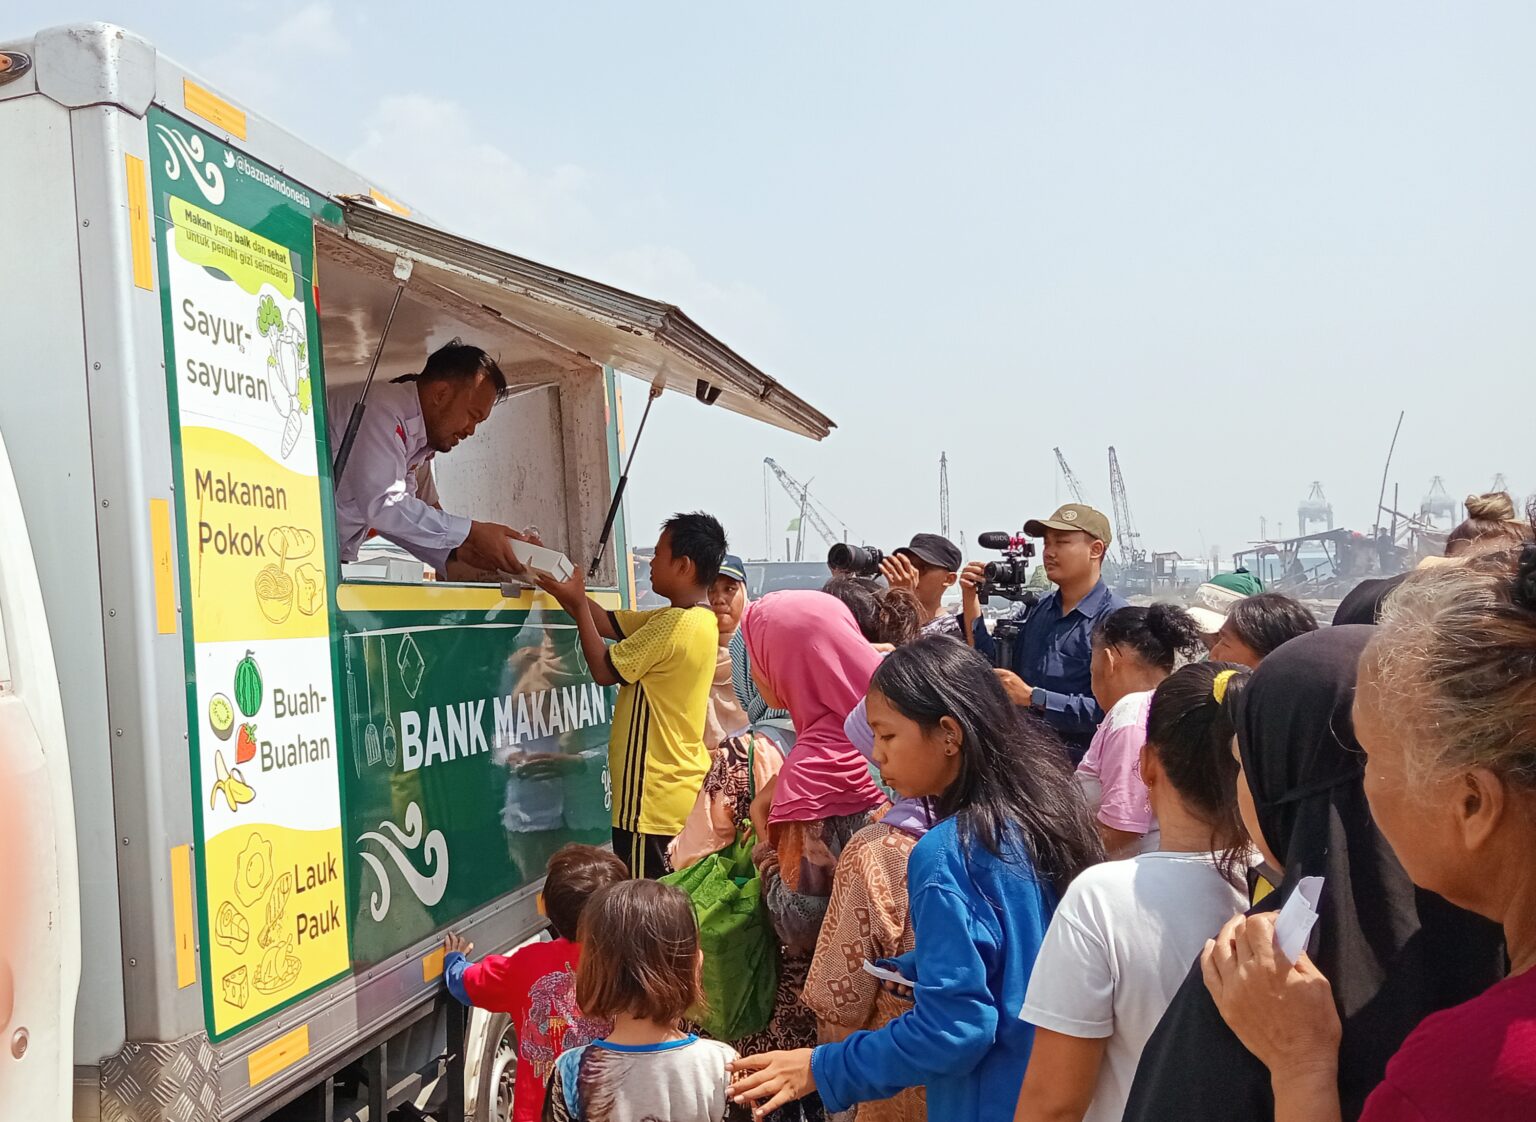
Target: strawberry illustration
<point>245,747</point>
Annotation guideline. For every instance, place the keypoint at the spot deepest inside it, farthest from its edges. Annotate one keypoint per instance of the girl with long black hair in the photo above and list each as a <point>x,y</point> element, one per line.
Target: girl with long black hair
<point>1012,833</point>
<point>1122,938</point>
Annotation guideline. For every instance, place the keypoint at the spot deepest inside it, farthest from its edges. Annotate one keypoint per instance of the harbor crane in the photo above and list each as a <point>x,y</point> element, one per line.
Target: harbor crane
<point>1437,503</point>
<point>1073,484</point>
<point>1314,508</point>
<point>944,494</point>
<point>1125,530</point>
<point>806,506</point>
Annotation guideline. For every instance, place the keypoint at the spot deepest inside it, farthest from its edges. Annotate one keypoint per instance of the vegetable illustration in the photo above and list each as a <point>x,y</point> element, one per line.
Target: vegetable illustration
<point>221,716</point>
<point>287,368</point>
<point>268,318</point>
<point>248,685</point>
<point>245,747</point>
<point>231,784</point>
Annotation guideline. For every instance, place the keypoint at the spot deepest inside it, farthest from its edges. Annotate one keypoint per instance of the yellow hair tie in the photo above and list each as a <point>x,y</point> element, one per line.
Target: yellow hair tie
<point>1219,687</point>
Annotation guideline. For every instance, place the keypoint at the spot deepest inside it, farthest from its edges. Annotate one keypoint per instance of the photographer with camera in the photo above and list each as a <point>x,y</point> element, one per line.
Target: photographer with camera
<point>1049,663</point>
<point>927,568</point>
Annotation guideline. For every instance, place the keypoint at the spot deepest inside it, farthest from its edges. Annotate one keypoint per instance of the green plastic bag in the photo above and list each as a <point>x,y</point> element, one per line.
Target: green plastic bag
<point>741,951</point>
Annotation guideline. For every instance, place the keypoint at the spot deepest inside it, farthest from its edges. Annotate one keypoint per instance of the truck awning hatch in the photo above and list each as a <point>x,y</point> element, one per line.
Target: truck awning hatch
<point>646,339</point>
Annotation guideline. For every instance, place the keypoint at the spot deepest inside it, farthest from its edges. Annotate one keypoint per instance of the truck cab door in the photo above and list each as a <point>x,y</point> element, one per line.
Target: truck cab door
<point>39,883</point>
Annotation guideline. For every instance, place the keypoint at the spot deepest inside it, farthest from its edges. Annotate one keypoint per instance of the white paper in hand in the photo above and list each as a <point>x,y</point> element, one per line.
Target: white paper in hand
<point>1293,927</point>
<point>886,975</point>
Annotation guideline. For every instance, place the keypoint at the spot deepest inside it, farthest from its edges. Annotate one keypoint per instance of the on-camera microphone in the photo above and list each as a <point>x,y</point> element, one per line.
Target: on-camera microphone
<point>1005,577</point>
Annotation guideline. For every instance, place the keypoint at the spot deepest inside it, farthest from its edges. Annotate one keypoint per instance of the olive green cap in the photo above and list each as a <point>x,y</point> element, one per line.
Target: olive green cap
<point>1073,516</point>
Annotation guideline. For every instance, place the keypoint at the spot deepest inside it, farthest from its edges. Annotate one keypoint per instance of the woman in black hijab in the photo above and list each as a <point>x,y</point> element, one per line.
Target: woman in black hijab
<point>1394,953</point>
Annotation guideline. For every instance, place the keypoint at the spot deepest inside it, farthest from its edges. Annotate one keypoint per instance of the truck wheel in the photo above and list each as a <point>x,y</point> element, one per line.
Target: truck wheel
<point>498,1071</point>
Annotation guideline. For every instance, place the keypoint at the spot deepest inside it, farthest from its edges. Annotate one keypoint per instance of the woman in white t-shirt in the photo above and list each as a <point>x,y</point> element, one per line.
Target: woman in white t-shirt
<point>1125,932</point>
<point>1134,649</point>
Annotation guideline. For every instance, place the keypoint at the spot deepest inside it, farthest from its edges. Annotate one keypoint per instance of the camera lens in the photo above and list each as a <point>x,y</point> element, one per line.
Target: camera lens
<point>856,559</point>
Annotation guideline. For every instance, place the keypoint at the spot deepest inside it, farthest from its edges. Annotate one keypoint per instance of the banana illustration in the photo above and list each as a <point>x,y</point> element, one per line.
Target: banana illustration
<point>236,790</point>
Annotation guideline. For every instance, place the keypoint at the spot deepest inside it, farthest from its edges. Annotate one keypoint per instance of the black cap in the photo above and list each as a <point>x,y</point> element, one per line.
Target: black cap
<point>935,550</point>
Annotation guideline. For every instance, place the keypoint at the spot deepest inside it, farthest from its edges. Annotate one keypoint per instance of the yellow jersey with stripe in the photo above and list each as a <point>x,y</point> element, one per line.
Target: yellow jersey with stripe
<point>657,759</point>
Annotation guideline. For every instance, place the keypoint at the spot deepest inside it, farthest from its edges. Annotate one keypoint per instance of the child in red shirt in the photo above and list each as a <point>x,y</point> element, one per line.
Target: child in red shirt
<point>536,984</point>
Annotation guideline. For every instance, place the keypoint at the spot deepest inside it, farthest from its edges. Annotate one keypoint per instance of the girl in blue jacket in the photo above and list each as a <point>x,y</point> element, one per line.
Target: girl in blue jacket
<point>983,882</point>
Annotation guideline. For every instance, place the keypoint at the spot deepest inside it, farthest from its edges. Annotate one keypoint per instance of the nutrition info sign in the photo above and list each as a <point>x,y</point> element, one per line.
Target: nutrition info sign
<point>236,269</point>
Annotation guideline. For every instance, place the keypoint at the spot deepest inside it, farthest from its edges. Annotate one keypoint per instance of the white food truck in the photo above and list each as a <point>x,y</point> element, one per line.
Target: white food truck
<point>244,787</point>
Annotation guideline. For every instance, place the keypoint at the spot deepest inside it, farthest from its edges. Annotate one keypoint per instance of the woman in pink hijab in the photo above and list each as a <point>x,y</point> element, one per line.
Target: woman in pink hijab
<point>808,656</point>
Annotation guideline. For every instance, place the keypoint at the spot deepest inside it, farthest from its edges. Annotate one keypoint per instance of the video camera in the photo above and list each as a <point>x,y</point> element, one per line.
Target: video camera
<point>1006,578</point>
<point>859,560</point>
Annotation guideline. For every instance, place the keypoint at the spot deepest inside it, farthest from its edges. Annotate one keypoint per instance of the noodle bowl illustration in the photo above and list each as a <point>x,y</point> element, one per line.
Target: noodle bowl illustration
<point>276,589</point>
<point>274,592</point>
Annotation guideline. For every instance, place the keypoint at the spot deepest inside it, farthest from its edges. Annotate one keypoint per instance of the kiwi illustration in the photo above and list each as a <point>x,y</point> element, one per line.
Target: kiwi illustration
<point>221,716</point>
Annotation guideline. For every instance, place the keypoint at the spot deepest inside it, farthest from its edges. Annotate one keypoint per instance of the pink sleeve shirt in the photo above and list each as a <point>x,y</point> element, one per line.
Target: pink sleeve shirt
<point>1112,766</point>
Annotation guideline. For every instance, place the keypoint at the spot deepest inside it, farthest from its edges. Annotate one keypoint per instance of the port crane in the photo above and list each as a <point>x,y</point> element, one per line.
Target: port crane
<point>1074,485</point>
<point>944,494</point>
<point>806,506</point>
<point>1126,536</point>
<point>1437,503</point>
<point>1314,508</point>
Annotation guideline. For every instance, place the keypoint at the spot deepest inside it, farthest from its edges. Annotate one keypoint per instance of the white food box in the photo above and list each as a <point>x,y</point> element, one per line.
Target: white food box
<point>546,562</point>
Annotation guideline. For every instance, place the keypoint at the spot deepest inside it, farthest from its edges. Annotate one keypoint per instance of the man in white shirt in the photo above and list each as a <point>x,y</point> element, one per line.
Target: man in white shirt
<point>387,485</point>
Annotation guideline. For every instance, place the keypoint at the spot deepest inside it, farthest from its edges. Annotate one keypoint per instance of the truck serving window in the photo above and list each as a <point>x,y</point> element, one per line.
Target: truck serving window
<point>553,333</point>
<point>537,458</point>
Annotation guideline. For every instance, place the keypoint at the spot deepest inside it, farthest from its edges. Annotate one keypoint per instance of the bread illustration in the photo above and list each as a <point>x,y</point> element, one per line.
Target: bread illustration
<point>310,595</point>
<point>290,542</point>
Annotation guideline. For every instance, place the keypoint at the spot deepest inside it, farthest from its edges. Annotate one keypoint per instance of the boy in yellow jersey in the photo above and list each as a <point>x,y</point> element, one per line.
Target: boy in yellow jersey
<point>663,662</point>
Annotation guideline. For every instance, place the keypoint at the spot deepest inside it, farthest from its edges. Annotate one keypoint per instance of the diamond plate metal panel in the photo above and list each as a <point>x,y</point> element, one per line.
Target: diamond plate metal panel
<point>176,1082</point>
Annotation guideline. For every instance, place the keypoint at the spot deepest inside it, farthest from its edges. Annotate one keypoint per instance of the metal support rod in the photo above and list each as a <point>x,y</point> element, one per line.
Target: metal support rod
<point>344,453</point>
<point>457,1032</point>
<point>376,1065</point>
<point>1381,498</point>
<point>618,492</point>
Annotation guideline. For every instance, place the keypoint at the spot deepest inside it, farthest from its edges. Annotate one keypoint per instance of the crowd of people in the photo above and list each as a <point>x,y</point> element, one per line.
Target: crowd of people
<point>1048,890</point>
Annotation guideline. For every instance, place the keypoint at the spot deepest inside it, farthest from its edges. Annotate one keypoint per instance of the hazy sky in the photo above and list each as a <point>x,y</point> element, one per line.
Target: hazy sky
<point>1231,239</point>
